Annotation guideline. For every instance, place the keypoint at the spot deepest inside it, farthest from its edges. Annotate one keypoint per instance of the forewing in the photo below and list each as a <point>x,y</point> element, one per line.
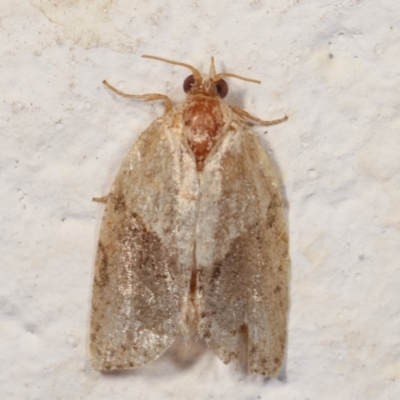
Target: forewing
<point>145,252</point>
<point>242,254</point>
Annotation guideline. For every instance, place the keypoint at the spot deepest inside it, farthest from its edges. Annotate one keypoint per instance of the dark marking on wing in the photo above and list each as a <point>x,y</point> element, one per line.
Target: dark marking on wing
<point>101,278</point>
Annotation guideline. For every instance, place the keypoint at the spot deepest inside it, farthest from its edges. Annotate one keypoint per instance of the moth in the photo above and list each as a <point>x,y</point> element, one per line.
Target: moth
<point>193,240</point>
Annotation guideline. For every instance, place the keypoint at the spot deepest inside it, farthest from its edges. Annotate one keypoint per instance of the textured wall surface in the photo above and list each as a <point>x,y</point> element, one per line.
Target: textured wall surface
<point>332,67</point>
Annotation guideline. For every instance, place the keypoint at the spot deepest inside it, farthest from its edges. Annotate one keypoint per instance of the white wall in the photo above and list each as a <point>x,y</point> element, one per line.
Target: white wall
<point>332,67</point>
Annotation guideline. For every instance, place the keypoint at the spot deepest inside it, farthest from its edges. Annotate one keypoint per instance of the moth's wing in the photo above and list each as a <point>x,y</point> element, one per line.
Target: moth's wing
<point>145,252</point>
<point>242,254</point>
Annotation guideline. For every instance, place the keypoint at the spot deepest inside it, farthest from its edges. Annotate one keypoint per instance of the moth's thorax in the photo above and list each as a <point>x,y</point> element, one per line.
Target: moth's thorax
<point>203,122</point>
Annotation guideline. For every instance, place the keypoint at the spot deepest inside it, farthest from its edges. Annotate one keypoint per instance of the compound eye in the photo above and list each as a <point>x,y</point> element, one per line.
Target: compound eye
<point>222,88</point>
<point>188,83</point>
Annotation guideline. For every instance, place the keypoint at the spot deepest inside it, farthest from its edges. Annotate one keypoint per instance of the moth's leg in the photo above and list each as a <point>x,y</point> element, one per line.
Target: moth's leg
<point>145,97</point>
<point>245,114</point>
<point>100,199</point>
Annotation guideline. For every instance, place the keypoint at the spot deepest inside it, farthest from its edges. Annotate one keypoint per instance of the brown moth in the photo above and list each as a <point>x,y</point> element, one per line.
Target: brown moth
<point>194,239</point>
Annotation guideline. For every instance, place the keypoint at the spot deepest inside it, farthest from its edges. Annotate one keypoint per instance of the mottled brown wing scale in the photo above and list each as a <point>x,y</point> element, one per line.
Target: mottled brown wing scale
<point>142,275</point>
<point>127,313</point>
<point>242,259</point>
<point>162,215</point>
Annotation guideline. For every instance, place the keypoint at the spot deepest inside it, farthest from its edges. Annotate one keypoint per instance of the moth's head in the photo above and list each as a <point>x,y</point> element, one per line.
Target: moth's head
<point>212,85</point>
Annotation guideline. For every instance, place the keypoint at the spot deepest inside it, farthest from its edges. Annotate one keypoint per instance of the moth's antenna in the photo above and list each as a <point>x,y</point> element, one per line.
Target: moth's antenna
<point>228,74</point>
<point>212,68</point>
<point>196,73</point>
